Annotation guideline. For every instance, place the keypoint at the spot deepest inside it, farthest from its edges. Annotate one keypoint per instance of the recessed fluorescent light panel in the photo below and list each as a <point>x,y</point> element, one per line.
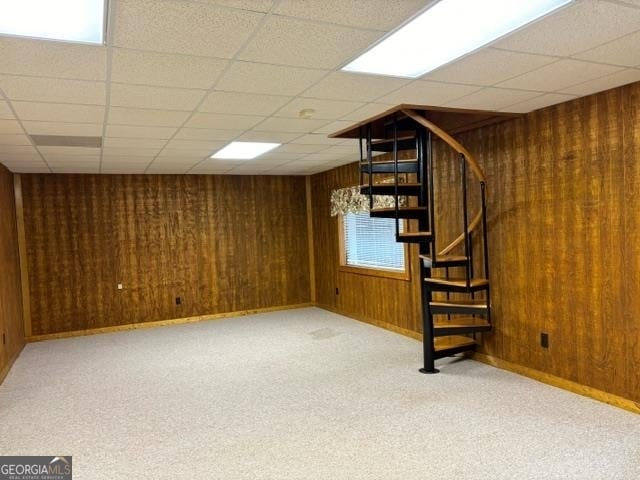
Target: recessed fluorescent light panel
<point>244,150</point>
<point>448,30</point>
<point>69,20</point>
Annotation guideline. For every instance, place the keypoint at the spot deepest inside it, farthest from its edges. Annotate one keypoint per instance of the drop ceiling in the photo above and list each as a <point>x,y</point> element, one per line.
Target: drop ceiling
<point>179,79</point>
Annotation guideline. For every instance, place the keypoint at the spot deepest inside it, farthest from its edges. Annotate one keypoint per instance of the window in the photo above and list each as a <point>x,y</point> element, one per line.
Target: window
<point>368,246</point>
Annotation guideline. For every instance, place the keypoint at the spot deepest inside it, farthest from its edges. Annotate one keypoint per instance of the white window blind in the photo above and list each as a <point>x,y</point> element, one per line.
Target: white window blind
<point>371,242</point>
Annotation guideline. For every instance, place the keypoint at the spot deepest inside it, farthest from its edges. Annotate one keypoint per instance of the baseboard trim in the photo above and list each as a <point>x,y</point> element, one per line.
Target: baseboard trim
<point>542,377</point>
<point>162,323</point>
<point>5,370</point>
<point>559,382</point>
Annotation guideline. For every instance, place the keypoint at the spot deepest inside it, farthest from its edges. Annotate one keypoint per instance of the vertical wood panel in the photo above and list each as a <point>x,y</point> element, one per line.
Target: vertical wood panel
<point>11,315</point>
<point>564,240</point>
<point>221,244</point>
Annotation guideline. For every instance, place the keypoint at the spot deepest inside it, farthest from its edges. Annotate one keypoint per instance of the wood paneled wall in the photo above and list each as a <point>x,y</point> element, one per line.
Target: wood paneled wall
<point>564,222</point>
<point>11,322</point>
<point>220,243</point>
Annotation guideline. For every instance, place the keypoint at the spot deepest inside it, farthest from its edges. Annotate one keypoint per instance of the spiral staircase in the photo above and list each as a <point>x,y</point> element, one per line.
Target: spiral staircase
<point>397,159</point>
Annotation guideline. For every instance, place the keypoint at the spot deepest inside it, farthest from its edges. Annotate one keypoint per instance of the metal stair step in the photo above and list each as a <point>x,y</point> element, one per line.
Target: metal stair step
<point>403,212</point>
<point>441,284</point>
<point>405,189</point>
<point>414,237</point>
<point>443,261</point>
<point>460,325</point>
<point>405,142</point>
<point>457,307</point>
<point>450,345</point>
<point>388,166</point>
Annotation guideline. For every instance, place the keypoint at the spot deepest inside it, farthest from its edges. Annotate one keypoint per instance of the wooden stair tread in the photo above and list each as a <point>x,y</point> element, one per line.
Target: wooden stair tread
<point>458,282</point>
<point>459,303</point>
<point>378,184</point>
<point>405,209</point>
<point>453,341</point>
<point>445,258</point>
<point>389,162</point>
<point>414,234</point>
<point>462,322</point>
<point>382,141</point>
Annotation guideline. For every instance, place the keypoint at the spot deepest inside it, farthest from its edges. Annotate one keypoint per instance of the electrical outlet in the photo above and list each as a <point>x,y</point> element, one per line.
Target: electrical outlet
<point>544,340</point>
<point>178,301</point>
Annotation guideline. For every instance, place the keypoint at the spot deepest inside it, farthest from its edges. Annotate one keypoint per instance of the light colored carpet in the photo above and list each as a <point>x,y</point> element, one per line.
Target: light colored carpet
<point>299,394</point>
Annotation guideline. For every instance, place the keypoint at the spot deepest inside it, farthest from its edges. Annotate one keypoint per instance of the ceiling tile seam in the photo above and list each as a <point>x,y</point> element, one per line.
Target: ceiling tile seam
<point>315,21</point>
<point>112,5</point>
<point>48,77</point>
<point>622,3</point>
<point>607,43</point>
<point>565,57</point>
<point>212,88</point>
<point>24,130</point>
<point>506,108</point>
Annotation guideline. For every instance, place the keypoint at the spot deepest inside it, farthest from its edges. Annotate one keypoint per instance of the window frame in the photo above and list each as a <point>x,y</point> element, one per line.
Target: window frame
<point>371,271</point>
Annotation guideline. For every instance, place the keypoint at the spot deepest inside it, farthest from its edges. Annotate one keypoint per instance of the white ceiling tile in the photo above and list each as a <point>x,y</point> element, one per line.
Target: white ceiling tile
<point>290,41</point>
<point>53,90</point>
<point>374,14</point>
<point>125,160</point>
<point>168,161</point>
<point>59,112</point>
<point>194,144</point>
<point>165,69</point>
<point>488,67</point>
<point>579,27</point>
<point>130,151</point>
<point>220,121</point>
<point>122,169</point>
<point>242,103</point>
<point>623,51</point>
<point>14,139</point>
<point>421,92</point>
<point>167,169</point>
<point>31,156</point>
<point>299,125</point>
<point>369,110</point>
<point>334,127</point>
<point>276,137</point>
<point>559,75</point>
<point>5,111</point>
<point>492,99</point>
<point>61,128</point>
<point>251,169</point>
<point>72,160</point>
<point>134,142</point>
<point>75,168</point>
<point>160,98</point>
<point>267,79</point>
<point>354,87</point>
<point>18,150</point>
<point>536,103</point>
<point>296,148</point>
<point>151,118</point>
<point>324,109</point>
<point>128,131</point>
<point>315,139</point>
<point>28,168</point>
<point>207,134</point>
<point>182,27</point>
<point>21,56</point>
<point>186,152</point>
<point>68,151</point>
<point>604,83</point>
<point>279,157</point>
<point>253,5</point>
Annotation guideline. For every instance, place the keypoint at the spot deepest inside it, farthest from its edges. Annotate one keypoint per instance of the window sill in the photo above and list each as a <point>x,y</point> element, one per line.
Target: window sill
<point>375,272</point>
